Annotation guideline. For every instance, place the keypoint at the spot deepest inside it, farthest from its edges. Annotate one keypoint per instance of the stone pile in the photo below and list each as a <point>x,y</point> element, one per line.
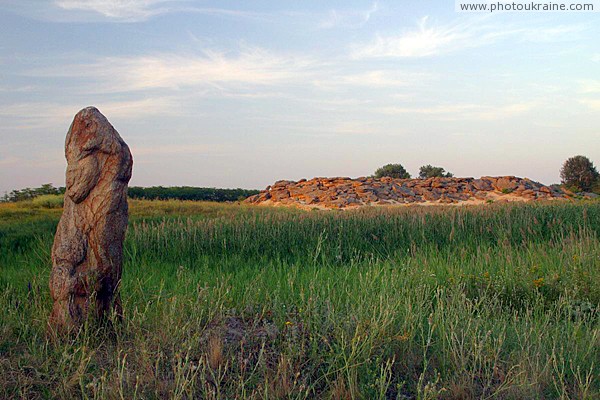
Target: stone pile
<point>339,193</point>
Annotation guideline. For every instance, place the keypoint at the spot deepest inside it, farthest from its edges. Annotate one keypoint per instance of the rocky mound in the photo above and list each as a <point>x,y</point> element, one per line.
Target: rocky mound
<point>335,193</point>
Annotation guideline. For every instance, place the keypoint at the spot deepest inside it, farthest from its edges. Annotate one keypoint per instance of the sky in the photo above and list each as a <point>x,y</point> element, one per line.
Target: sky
<point>244,93</point>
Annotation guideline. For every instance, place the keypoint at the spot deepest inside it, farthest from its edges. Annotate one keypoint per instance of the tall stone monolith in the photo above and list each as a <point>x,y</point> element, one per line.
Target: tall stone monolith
<point>87,254</point>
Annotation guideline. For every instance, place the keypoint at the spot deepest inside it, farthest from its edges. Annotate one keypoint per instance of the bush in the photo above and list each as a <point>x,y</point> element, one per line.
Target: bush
<point>392,171</point>
<point>579,174</point>
<point>429,171</point>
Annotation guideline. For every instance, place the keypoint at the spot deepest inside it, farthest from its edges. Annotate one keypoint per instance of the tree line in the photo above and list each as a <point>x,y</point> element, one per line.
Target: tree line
<point>189,193</point>
<point>150,193</point>
<point>32,193</point>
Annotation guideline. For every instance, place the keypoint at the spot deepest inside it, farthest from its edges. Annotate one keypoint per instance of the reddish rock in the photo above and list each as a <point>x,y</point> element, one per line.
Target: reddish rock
<point>87,254</point>
<point>346,192</point>
<point>482,184</point>
<point>506,183</point>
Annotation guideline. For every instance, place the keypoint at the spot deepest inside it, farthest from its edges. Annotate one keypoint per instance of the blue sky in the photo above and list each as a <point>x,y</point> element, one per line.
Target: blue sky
<point>243,93</point>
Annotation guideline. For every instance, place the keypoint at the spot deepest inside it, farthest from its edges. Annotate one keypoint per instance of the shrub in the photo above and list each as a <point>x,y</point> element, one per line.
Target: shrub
<point>579,173</point>
<point>392,171</point>
<point>429,171</point>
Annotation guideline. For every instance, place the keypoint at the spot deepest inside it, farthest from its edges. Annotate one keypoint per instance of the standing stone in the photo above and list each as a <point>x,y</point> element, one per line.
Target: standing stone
<point>87,254</point>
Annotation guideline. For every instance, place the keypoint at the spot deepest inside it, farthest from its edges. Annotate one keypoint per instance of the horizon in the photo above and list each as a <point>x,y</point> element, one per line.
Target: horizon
<point>294,181</point>
<point>238,95</point>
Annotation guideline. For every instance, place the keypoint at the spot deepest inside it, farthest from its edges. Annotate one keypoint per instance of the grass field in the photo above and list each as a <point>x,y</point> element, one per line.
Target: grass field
<point>233,301</point>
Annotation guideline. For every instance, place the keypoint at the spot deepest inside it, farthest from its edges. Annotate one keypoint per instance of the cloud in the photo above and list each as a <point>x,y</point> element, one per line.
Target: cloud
<point>175,149</point>
<point>141,108</point>
<point>39,115</point>
<point>421,42</point>
<point>458,112</point>
<point>437,39</point>
<point>375,79</point>
<point>118,9</point>
<point>248,73</point>
<point>210,69</point>
<point>348,18</point>
<point>596,58</point>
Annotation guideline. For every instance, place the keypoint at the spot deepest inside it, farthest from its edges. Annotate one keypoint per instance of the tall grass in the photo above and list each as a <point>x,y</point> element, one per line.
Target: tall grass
<point>233,301</point>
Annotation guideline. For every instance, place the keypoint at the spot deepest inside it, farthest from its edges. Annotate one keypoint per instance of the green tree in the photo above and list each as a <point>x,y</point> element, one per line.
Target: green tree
<point>31,193</point>
<point>429,171</point>
<point>579,173</point>
<point>392,171</point>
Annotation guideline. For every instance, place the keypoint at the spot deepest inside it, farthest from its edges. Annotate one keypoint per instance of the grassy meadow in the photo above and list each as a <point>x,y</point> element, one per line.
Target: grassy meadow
<point>229,301</point>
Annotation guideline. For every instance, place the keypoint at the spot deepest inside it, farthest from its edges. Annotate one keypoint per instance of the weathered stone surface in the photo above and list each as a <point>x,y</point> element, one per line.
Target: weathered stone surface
<point>350,193</point>
<point>506,183</point>
<point>88,247</point>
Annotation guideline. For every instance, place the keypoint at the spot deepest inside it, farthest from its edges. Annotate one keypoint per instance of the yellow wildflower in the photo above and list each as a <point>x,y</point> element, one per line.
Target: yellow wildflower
<point>403,338</point>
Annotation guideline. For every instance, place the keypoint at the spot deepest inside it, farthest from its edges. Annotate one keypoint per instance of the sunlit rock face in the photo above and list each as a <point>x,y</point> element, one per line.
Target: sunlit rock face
<point>87,254</point>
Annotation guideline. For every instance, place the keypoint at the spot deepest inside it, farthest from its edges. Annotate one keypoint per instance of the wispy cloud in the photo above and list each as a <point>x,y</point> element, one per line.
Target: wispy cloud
<point>119,9</point>
<point>39,115</point>
<point>596,58</point>
<point>348,18</point>
<point>430,39</point>
<point>373,79</point>
<point>141,108</point>
<point>141,10</point>
<point>175,149</point>
<point>456,112</point>
<point>421,42</point>
<point>251,66</point>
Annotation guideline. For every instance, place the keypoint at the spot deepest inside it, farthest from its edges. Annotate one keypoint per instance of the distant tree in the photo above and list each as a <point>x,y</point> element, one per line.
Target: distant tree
<point>429,171</point>
<point>29,193</point>
<point>392,171</point>
<point>579,173</point>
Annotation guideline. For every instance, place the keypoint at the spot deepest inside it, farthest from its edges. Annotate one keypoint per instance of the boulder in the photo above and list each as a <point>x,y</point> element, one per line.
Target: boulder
<point>506,184</point>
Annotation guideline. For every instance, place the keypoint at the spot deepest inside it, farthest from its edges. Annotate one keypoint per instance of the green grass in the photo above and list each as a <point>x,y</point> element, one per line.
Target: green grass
<point>236,301</point>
